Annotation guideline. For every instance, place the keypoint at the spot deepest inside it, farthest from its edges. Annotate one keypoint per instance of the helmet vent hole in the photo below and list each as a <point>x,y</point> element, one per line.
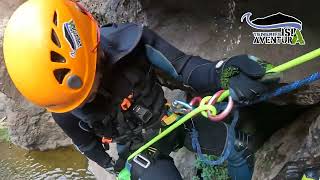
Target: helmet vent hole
<point>56,57</point>
<point>59,74</point>
<point>55,18</point>
<point>55,38</point>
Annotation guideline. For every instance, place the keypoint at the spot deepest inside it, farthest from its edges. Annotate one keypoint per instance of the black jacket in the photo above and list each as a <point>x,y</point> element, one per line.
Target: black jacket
<point>131,43</point>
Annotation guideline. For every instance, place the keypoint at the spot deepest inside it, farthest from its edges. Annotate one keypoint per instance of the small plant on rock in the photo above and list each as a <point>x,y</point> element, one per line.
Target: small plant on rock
<point>208,172</point>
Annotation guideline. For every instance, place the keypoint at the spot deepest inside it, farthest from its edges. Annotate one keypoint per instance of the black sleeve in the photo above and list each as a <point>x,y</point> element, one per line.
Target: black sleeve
<point>85,141</point>
<point>192,71</point>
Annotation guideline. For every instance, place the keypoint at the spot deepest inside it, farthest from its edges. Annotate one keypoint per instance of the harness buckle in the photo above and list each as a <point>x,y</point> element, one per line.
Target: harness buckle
<point>143,113</point>
<point>142,161</point>
<point>167,120</point>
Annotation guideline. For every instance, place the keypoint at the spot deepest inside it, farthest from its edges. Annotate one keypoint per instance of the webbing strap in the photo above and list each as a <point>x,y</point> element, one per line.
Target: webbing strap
<point>229,144</point>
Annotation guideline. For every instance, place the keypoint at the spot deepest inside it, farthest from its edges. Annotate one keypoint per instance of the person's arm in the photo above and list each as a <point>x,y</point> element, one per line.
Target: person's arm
<point>193,71</point>
<point>240,74</point>
<point>86,142</point>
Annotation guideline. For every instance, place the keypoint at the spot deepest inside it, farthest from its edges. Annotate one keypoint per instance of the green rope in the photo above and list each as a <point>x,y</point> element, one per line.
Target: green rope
<point>296,61</point>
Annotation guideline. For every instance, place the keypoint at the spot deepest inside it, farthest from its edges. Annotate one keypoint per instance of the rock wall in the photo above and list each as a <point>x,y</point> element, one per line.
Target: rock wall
<point>107,11</point>
<point>296,146</point>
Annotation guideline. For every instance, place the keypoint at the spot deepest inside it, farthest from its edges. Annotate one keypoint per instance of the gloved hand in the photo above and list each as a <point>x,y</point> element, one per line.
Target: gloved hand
<point>110,167</point>
<point>242,75</point>
<point>119,165</point>
<point>114,167</point>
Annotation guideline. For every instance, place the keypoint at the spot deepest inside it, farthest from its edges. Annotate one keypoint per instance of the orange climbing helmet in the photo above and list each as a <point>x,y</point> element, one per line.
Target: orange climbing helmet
<point>50,51</point>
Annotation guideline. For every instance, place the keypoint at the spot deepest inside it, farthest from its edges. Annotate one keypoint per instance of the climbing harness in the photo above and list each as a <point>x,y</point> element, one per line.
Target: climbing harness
<point>125,173</point>
<point>207,109</point>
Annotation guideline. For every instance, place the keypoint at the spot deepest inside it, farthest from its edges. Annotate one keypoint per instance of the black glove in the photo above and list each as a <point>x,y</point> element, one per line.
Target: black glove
<point>158,169</point>
<point>242,75</point>
<point>114,167</point>
<point>119,165</point>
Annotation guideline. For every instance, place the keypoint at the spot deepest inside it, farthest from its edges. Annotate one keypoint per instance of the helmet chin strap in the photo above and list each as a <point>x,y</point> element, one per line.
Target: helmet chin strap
<point>95,88</point>
<point>100,67</point>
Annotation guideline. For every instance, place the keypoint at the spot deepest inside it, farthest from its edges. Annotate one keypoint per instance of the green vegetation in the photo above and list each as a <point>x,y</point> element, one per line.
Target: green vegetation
<point>226,75</point>
<point>4,135</point>
<point>211,172</point>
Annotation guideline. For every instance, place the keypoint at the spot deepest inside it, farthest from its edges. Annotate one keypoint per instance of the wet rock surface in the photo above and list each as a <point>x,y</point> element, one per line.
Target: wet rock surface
<point>41,133</point>
<point>31,127</point>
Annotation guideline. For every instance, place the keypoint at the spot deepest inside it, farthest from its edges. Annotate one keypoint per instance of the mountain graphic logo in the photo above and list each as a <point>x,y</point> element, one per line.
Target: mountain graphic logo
<point>72,36</point>
<point>273,21</point>
<point>290,29</point>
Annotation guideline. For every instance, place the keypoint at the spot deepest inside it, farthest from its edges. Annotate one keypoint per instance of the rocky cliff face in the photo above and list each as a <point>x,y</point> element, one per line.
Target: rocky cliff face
<point>295,147</point>
<point>118,11</point>
<point>207,28</point>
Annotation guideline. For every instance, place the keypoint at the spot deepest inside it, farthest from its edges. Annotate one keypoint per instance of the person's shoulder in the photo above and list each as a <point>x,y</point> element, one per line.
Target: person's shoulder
<point>121,26</point>
<point>118,40</point>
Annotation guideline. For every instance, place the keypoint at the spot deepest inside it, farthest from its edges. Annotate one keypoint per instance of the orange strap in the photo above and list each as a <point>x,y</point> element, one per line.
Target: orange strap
<point>125,105</point>
<point>106,140</point>
<point>167,120</point>
<point>126,102</point>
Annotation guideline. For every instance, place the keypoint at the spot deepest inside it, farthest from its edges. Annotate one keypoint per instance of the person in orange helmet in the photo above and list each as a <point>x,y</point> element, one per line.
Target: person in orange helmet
<point>104,84</point>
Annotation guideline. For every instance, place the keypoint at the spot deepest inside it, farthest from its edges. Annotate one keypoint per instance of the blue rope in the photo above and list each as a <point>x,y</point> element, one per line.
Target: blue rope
<point>226,152</point>
<point>290,87</point>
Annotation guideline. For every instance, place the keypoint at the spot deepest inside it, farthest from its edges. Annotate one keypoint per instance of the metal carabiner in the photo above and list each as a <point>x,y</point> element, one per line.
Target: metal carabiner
<point>225,112</point>
<point>195,101</point>
<point>180,107</point>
